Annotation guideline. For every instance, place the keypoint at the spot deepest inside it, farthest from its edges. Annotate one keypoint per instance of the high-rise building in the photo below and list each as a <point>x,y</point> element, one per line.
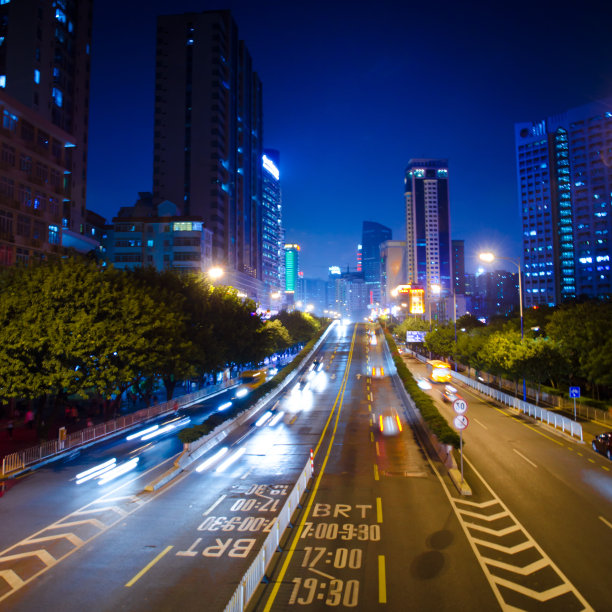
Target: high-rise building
<point>393,273</point>
<point>271,223</point>
<point>565,186</point>
<point>208,136</point>
<point>428,241</point>
<point>371,237</point>
<point>44,94</point>
<point>359,258</point>
<point>458,251</point>
<point>292,267</point>
<point>495,294</point>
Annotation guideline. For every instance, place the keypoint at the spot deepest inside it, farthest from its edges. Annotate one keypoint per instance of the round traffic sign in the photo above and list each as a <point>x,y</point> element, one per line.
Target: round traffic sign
<point>460,405</point>
<point>460,422</point>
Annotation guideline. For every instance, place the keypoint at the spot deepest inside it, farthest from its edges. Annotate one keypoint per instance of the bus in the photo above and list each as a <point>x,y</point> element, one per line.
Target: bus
<point>438,371</point>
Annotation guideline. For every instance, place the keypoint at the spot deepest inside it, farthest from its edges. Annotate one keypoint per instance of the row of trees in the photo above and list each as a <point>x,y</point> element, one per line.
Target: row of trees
<point>70,327</point>
<point>563,346</point>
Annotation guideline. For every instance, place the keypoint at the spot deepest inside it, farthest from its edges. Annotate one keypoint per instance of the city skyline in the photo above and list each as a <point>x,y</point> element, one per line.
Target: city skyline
<point>351,97</point>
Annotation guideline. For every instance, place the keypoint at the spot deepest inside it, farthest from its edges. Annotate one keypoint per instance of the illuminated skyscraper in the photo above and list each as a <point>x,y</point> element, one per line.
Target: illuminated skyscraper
<point>208,136</point>
<point>44,94</point>
<point>565,194</point>
<point>372,235</point>
<point>292,267</point>
<point>271,222</point>
<point>428,241</point>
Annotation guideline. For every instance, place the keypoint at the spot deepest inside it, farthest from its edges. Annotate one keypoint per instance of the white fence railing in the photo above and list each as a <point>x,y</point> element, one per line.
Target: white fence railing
<point>551,418</point>
<point>29,456</point>
<point>257,570</point>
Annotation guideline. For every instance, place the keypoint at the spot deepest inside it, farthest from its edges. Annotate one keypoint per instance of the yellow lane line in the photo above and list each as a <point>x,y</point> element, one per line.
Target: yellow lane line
<point>298,533</point>
<point>371,437</point>
<point>591,460</point>
<point>146,568</point>
<point>605,468</point>
<point>369,407</point>
<point>377,449</point>
<point>378,510</point>
<point>376,472</point>
<point>382,581</point>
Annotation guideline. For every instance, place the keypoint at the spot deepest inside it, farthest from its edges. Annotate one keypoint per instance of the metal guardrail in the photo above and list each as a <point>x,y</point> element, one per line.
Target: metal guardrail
<point>551,418</point>
<point>46,450</point>
<point>257,570</point>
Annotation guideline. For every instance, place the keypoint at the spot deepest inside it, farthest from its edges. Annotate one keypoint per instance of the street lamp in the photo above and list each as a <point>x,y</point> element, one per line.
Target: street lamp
<point>490,257</point>
<point>215,273</point>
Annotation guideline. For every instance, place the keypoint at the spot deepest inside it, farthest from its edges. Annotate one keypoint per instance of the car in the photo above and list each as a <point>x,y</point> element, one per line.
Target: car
<point>449,394</point>
<point>389,422</point>
<point>603,444</point>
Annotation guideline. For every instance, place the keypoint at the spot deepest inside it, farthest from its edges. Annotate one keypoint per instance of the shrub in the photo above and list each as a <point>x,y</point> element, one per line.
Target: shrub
<point>425,405</point>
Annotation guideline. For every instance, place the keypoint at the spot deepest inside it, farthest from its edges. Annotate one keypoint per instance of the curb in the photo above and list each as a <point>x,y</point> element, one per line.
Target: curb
<point>461,485</point>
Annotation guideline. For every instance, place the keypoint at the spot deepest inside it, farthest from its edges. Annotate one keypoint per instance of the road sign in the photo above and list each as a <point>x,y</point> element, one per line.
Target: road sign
<point>460,405</point>
<point>574,391</point>
<point>460,422</point>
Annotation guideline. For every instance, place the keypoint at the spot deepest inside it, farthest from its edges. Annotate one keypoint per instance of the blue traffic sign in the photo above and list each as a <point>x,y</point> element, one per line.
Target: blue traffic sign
<point>574,391</point>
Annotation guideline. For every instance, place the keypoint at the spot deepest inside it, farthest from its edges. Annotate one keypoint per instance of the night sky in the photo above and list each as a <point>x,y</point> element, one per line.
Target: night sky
<point>352,91</point>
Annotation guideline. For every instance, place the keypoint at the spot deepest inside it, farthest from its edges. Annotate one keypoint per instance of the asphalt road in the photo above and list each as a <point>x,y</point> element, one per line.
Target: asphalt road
<point>382,527</point>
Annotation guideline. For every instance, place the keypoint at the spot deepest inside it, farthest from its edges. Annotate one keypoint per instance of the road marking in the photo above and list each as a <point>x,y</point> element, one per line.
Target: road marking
<point>316,571</point>
<point>245,475</point>
<point>214,505</point>
<point>371,437</point>
<point>601,518</point>
<point>525,458</point>
<point>375,472</point>
<point>605,468</point>
<point>379,510</point>
<point>481,424</point>
<point>591,460</point>
<point>298,533</point>
<point>482,539</point>
<point>377,449</point>
<point>147,567</point>
<point>382,582</point>
<point>369,407</point>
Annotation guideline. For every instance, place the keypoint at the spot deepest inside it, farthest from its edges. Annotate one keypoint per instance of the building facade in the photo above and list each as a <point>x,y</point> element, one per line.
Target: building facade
<point>564,179</point>
<point>458,267</point>
<point>428,241</point>
<point>271,223</point>
<point>292,267</point>
<point>149,234</point>
<point>372,235</point>
<point>208,136</point>
<point>44,93</point>
<point>393,271</point>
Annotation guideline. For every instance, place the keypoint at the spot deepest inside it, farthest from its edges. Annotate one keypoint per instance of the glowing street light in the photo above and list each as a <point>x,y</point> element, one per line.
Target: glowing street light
<point>215,273</point>
<point>489,257</point>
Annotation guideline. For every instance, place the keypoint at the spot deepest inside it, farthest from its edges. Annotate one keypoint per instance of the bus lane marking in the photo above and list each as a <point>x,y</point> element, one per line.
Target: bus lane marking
<point>147,567</point>
<point>382,580</point>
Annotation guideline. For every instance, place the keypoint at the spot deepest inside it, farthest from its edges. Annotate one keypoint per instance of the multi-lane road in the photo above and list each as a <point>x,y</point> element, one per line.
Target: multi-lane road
<point>381,527</point>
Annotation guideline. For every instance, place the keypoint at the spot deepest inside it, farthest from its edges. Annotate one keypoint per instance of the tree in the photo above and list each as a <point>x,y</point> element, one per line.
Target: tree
<point>300,325</point>
<point>274,337</point>
<point>441,341</point>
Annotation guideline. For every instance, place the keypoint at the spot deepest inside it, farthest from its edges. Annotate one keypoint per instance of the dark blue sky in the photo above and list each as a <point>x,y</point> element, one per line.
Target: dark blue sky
<point>352,91</point>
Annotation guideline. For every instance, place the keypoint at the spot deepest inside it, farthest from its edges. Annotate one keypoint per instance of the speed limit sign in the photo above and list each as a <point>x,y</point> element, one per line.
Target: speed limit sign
<point>460,422</point>
<point>460,405</point>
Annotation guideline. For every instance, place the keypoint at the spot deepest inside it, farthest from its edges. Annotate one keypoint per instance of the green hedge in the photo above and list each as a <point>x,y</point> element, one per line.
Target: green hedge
<point>431,415</point>
<point>191,434</point>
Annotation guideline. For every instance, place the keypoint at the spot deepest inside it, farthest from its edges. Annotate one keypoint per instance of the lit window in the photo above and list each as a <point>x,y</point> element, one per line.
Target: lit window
<point>57,97</point>
<point>53,234</point>
<point>36,75</point>
<point>2,80</point>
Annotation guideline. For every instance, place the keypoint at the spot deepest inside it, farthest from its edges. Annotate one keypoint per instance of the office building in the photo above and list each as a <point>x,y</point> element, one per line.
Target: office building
<point>155,234</point>
<point>565,185</point>
<point>494,294</point>
<point>393,272</point>
<point>428,241</point>
<point>44,94</point>
<point>458,267</point>
<point>271,222</point>
<point>292,267</point>
<point>371,237</point>
<point>208,137</point>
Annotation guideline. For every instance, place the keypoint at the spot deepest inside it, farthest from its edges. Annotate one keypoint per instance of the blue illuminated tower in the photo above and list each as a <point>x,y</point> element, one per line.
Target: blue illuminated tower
<point>372,235</point>
<point>271,222</point>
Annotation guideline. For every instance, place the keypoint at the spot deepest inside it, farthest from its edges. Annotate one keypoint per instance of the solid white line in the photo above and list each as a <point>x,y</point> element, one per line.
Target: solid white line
<point>214,505</point>
<point>601,518</point>
<point>481,424</point>
<point>525,458</point>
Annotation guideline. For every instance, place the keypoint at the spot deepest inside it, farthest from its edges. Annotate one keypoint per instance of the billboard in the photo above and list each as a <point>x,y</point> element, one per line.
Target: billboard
<point>415,336</point>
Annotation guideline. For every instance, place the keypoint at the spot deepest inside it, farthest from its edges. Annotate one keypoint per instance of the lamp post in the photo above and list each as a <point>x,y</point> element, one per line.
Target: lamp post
<point>490,257</point>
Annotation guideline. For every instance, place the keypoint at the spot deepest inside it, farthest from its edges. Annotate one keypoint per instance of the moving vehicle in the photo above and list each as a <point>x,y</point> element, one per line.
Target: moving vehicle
<point>253,378</point>
<point>449,394</point>
<point>603,444</point>
<point>389,422</point>
<point>438,371</point>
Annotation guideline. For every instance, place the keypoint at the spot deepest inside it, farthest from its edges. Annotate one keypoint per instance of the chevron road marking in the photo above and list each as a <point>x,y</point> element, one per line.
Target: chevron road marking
<point>12,579</point>
<point>487,541</point>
